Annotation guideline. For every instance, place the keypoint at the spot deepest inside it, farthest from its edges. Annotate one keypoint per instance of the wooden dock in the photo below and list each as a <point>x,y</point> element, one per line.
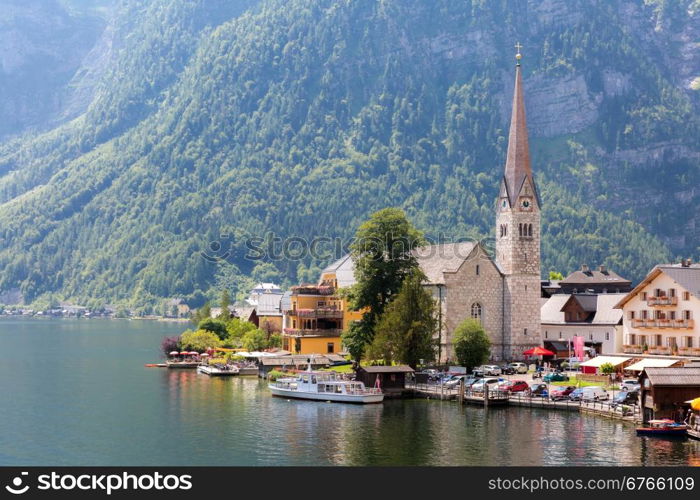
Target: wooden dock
<point>504,398</point>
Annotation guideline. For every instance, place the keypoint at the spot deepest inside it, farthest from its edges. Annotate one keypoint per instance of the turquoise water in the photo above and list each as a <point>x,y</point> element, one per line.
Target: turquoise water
<point>76,392</point>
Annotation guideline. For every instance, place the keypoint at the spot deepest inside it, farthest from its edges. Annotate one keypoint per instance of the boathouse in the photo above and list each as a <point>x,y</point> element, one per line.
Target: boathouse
<point>391,378</point>
<point>665,391</point>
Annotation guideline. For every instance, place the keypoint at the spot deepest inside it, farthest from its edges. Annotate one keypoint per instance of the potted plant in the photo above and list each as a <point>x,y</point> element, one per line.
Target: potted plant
<point>645,348</point>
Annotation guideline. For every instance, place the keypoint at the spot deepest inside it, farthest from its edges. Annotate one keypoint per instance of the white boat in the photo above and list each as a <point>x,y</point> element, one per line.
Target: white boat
<point>324,386</point>
<point>216,371</point>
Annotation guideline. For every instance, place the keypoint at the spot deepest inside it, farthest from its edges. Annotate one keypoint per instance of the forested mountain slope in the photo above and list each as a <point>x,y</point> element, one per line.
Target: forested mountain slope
<point>299,118</point>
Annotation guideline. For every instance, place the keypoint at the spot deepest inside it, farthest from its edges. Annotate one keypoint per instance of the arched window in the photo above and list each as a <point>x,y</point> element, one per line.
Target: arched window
<point>529,230</point>
<point>476,311</point>
<point>520,229</point>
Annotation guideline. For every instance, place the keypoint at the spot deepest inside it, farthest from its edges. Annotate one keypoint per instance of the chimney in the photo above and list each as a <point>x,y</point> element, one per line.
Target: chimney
<point>603,270</point>
<point>685,262</point>
<point>584,268</point>
<point>689,262</point>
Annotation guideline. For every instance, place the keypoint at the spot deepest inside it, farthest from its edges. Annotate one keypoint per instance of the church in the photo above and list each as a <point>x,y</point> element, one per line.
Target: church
<point>500,291</point>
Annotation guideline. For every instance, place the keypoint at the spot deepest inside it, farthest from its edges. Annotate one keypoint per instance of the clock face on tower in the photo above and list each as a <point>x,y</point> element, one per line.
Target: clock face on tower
<point>526,204</point>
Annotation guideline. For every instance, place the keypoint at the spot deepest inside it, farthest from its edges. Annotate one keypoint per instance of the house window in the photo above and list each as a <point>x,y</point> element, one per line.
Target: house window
<point>644,295</point>
<point>476,311</point>
<point>631,314</point>
<point>686,315</point>
<point>559,334</point>
<point>607,335</point>
<point>590,336</point>
<point>672,292</point>
<point>331,347</point>
<point>632,339</point>
<point>546,334</point>
<point>658,340</point>
<point>672,315</point>
<point>686,295</point>
<point>689,341</point>
<point>644,314</point>
<point>525,332</point>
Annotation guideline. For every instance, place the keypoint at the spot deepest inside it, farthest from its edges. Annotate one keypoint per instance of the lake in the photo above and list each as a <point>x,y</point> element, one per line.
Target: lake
<point>76,392</point>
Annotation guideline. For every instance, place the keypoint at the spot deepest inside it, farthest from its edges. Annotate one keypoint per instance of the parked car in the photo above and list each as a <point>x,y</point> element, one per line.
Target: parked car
<point>594,393</point>
<point>478,372</point>
<point>576,394</point>
<point>561,392</point>
<point>507,370</point>
<point>630,385</point>
<point>625,398</point>
<point>455,381</point>
<point>555,377</point>
<point>492,370</point>
<point>514,386</point>
<point>518,367</point>
<point>538,389</point>
<point>480,384</point>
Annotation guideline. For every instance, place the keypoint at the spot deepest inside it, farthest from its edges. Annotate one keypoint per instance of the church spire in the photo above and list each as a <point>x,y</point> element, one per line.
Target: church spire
<point>518,157</point>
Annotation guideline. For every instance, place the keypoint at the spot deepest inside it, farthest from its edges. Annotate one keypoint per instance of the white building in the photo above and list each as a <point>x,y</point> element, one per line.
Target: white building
<point>587,315</point>
<point>659,314</point>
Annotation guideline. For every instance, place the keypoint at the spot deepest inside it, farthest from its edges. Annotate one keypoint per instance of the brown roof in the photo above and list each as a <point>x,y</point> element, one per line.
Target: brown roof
<point>434,260</point>
<point>518,158</point>
<point>594,277</point>
<point>674,376</point>
<point>387,369</point>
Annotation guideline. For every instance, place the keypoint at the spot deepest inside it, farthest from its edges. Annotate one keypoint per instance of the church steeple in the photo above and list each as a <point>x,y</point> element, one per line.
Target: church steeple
<point>518,168</point>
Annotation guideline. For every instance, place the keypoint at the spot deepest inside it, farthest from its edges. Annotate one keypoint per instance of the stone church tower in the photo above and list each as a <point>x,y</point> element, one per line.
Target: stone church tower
<point>518,237</point>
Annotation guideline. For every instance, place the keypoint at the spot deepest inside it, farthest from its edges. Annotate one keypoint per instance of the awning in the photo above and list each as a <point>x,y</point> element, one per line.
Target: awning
<point>651,362</point>
<point>601,360</point>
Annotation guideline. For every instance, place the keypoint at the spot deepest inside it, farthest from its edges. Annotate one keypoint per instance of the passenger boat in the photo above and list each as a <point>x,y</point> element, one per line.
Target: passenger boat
<point>218,371</point>
<point>324,386</point>
<point>663,427</point>
<point>693,420</point>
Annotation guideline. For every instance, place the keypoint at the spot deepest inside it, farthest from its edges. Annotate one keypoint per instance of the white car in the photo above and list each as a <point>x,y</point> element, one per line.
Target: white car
<point>479,385</point>
<point>491,370</point>
<point>629,385</point>
<point>518,367</point>
<point>594,393</point>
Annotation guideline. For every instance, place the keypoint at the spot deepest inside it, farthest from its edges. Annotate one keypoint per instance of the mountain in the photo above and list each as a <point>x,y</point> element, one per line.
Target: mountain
<point>219,125</point>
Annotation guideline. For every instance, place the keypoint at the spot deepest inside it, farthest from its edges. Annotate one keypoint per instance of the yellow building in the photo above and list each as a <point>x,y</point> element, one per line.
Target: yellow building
<point>316,316</point>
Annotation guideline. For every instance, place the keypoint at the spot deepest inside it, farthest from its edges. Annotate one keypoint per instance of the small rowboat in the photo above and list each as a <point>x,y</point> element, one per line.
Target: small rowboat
<point>663,427</point>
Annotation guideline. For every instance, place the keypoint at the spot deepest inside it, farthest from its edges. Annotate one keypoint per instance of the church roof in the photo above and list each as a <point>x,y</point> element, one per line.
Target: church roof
<point>518,168</point>
<point>434,260</point>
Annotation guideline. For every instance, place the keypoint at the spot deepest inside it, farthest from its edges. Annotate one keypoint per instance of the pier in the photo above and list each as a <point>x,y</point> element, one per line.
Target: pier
<point>504,398</point>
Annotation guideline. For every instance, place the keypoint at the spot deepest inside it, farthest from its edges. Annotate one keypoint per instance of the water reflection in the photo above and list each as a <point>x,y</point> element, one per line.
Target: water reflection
<point>79,395</point>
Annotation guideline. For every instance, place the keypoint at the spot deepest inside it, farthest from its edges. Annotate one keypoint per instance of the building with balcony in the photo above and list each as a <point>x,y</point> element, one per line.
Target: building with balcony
<point>316,315</point>
<point>659,314</point>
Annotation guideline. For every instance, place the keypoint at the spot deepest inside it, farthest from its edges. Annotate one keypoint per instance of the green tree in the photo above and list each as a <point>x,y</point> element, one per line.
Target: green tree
<point>275,340</point>
<point>607,368</point>
<point>382,253</point>
<point>215,326</point>
<point>225,302</point>
<point>237,327</point>
<point>199,340</point>
<point>472,345</point>
<point>255,340</point>
<point>405,332</point>
<point>555,275</point>
<point>202,313</point>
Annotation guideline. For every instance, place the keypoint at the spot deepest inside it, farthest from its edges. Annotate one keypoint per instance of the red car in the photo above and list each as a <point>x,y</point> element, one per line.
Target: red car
<point>514,386</point>
<point>561,392</point>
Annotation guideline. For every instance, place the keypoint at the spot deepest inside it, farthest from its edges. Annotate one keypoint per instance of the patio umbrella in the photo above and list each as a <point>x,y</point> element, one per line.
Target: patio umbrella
<point>538,351</point>
<point>204,354</point>
<point>174,353</point>
<point>184,353</point>
<point>194,353</point>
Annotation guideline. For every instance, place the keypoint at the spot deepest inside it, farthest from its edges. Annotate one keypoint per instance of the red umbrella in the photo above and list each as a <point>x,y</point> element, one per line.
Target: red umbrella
<point>538,351</point>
